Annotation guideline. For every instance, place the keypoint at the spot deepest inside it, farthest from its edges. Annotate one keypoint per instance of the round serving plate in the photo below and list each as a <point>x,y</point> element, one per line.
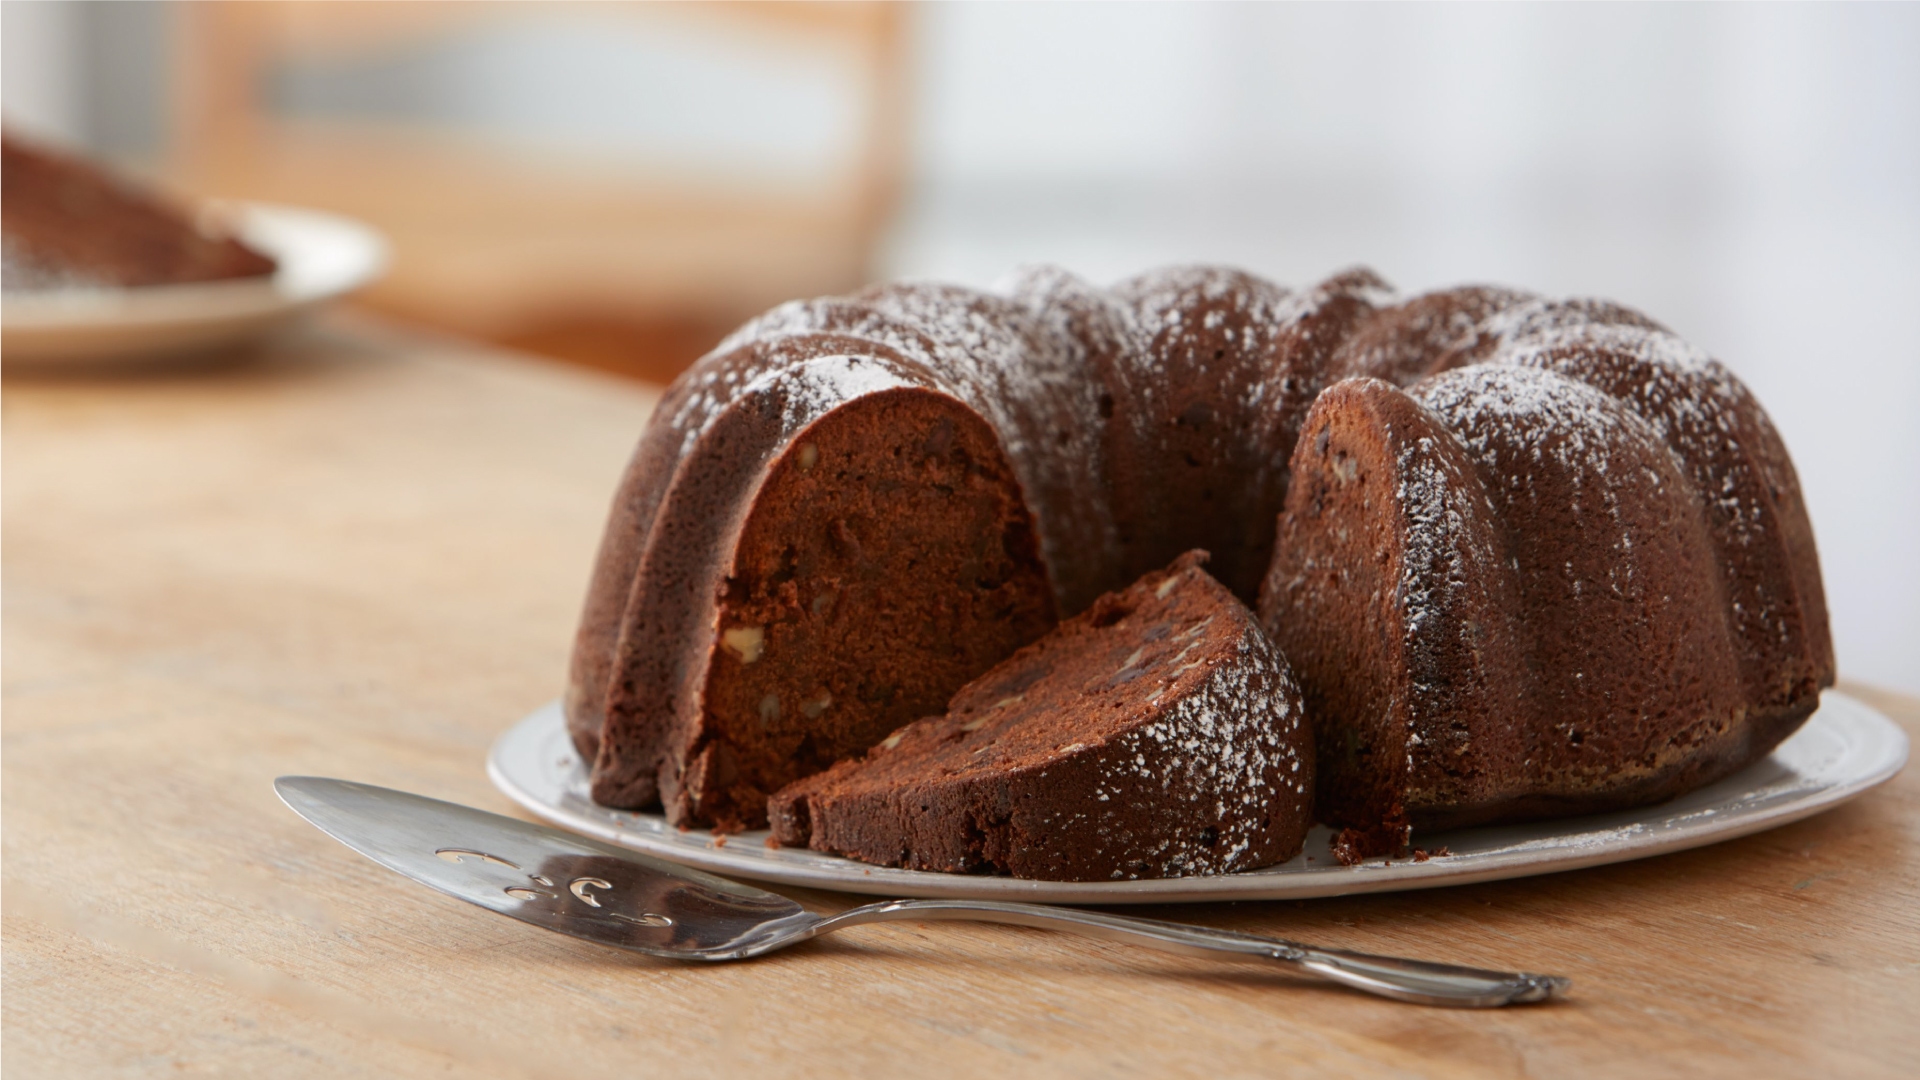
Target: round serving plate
<point>1845,748</point>
<point>320,257</point>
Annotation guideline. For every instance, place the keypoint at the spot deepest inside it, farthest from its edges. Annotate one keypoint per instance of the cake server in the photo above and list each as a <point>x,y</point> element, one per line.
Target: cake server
<point>611,896</point>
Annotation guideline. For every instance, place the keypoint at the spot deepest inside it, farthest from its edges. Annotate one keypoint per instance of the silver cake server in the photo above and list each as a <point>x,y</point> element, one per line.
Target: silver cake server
<point>611,896</point>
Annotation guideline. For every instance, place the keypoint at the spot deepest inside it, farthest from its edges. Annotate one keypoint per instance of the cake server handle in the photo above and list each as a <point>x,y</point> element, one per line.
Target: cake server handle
<point>1418,981</point>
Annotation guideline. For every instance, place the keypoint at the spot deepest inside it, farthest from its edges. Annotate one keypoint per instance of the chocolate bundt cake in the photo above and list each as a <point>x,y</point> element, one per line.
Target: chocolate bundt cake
<point>1156,734</point>
<point>66,224</point>
<point>1534,556</point>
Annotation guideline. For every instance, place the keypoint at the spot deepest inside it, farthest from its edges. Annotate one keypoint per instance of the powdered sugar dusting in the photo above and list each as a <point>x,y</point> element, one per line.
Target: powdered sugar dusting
<point>1231,748</point>
<point>1444,560</point>
<point>1526,412</point>
<point>808,389</point>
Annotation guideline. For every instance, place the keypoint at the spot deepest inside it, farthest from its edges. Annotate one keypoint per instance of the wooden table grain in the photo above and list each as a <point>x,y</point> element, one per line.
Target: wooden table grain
<point>361,553</point>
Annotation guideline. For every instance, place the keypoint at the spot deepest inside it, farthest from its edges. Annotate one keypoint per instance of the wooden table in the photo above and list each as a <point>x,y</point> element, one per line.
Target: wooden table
<point>361,555</point>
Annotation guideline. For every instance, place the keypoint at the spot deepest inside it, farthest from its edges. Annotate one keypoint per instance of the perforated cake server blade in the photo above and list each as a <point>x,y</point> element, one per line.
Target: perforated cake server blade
<point>611,896</point>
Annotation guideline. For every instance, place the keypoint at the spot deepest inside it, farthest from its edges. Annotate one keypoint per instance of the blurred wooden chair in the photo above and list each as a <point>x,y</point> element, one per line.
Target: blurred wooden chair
<point>632,267</point>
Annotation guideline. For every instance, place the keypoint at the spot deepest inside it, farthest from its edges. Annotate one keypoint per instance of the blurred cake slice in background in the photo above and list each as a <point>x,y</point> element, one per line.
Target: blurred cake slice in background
<point>65,223</point>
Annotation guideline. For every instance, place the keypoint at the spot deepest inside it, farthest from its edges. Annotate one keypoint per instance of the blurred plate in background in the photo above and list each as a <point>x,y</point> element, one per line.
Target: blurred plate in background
<point>321,258</point>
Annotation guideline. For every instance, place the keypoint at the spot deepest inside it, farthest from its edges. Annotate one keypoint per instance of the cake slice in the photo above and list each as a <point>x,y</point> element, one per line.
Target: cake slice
<point>66,224</point>
<point>1156,734</point>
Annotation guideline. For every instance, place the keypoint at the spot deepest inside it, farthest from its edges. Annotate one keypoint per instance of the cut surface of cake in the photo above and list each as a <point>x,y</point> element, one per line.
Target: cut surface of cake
<point>1159,733</point>
<point>66,224</point>
<point>1526,556</point>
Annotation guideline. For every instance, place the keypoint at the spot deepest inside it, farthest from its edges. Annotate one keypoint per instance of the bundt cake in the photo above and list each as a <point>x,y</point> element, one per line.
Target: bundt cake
<point>1534,556</point>
<point>1156,734</point>
<point>66,224</point>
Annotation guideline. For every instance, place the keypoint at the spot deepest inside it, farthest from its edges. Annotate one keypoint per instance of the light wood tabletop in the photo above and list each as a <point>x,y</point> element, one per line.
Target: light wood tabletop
<point>361,554</point>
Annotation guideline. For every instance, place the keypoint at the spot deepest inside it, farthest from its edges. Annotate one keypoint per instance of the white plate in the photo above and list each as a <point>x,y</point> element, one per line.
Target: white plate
<point>321,257</point>
<point>1844,749</point>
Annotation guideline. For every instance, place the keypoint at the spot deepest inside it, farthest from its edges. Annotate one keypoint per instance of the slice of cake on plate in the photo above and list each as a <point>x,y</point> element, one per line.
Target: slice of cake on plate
<point>1157,734</point>
<point>65,223</point>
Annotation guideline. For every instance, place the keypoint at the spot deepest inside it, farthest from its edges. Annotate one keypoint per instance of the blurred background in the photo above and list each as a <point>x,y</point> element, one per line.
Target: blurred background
<point>617,185</point>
